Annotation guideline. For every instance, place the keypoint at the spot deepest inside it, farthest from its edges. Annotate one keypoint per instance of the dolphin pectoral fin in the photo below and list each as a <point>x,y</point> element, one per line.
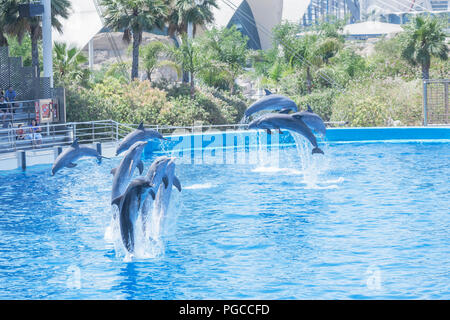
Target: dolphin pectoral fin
<point>177,183</point>
<point>140,166</point>
<point>130,169</point>
<point>71,165</point>
<point>116,201</point>
<point>113,171</point>
<point>297,116</point>
<point>166,181</point>
<point>152,193</point>
<point>268,131</point>
<point>284,111</point>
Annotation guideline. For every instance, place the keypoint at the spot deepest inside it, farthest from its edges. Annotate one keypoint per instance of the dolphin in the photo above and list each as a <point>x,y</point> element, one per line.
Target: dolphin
<point>312,120</point>
<point>129,204</point>
<point>72,154</point>
<point>279,121</point>
<point>164,192</point>
<point>157,175</point>
<point>140,134</point>
<point>271,102</point>
<point>124,171</point>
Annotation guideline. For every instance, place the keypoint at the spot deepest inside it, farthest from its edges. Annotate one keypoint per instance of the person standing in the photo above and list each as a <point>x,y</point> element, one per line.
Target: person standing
<point>10,96</point>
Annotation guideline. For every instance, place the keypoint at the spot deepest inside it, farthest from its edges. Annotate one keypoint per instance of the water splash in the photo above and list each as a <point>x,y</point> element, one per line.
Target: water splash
<point>314,168</point>
<point>150,233</point>
<point>207,185</point>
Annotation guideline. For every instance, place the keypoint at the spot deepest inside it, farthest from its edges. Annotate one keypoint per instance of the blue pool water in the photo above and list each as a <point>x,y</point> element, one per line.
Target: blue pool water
<point>367,220</point>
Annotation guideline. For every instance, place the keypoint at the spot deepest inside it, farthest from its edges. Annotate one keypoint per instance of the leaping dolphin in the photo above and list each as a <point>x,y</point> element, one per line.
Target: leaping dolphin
<point>312,120</point>
<point>124,171</point>
<point>72,154</point>
<point>129,203</point>
<point>271,101</point>
<point>160,173</point>
<point>277,121</point>
<point>140,134</point>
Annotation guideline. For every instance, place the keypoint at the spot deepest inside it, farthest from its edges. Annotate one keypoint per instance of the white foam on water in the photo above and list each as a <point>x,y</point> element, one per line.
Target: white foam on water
<point>317,187</point>
<point>273,170</point>
<point>207,185</point>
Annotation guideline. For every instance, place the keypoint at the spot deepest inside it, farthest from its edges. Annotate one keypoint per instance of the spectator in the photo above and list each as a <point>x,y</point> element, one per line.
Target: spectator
<point>20,133</point>
<point>10,96</point>
<point>3,108</point>
<point>34,133</point>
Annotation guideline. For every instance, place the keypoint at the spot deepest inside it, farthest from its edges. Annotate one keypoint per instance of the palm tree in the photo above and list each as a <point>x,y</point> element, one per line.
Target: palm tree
<point>17,26</point>
<point>133,17</point>
<point>188,56</point>
<point>184,11</point>
<point>151,54</point>
<point>67,63</point>
<point>423,39</point>
<point>228,48</point>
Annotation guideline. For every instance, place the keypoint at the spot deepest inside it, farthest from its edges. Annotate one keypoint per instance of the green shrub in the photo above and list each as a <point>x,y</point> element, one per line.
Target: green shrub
<point>139,101</point>
<point>320,101</point>
<point>379,102</point>
<point>111,99</point>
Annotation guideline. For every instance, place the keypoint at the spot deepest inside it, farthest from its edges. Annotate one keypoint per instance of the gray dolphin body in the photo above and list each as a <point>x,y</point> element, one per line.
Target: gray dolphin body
<point>124,172</point>
<point>312,120</point>
<point>129,205</point>
<point>161,174</point>
<point>72,154</point>
<point>279,121</point>
<point>140,134</point>
<point>164,191</point>
<point>271,102</point>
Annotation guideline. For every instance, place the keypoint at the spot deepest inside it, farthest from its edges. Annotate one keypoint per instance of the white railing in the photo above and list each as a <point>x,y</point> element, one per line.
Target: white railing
<point>97,132</point>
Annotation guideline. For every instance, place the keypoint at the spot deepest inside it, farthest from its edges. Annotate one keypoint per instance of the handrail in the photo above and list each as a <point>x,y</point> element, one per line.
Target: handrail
<point>60,134</point>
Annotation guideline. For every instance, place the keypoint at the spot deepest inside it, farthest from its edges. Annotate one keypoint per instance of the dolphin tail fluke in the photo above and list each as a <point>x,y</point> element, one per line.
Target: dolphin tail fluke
<point>317,150</point>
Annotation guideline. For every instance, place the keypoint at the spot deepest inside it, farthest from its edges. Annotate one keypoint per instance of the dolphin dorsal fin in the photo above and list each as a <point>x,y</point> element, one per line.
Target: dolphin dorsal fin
<point>141,126</point>
<point>309,108</point>
<point>268,93</point>
<point>75,143</point>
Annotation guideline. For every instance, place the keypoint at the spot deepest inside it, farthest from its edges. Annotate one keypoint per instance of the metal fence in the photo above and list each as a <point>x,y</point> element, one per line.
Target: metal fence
<point>435,102</point>
<point>24,80</point>
<point>13,139</point>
